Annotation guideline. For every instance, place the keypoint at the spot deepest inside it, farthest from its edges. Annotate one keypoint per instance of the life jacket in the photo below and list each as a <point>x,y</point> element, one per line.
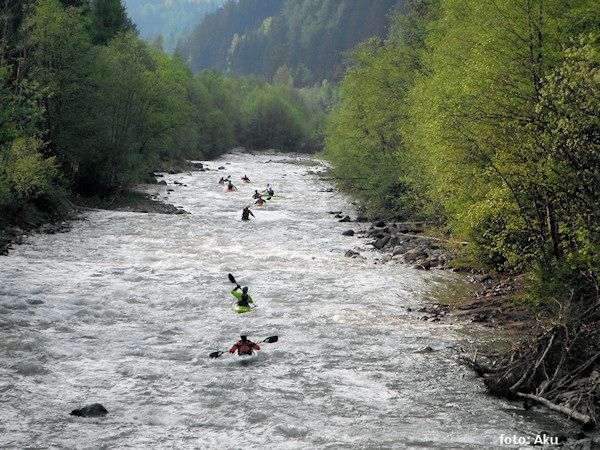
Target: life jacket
<point>243,301</point>
<point>245,347</point>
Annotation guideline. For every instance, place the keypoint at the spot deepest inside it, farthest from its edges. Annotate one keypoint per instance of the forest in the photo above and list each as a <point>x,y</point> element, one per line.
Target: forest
<point>299,41</point>
<point>481,116</point>
<point>88,108</point>
<point>168,20</point>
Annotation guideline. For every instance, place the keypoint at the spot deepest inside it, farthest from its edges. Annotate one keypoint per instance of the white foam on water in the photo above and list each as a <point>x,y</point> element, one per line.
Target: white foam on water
<point>124,309</point>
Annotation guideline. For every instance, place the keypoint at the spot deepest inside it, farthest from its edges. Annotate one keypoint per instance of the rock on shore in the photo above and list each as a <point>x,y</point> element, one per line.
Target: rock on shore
<point>402,243</point>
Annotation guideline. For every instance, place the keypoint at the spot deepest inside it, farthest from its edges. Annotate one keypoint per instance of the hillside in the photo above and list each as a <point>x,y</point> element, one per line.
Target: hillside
<point>290,41</point>
<point>171,19</point>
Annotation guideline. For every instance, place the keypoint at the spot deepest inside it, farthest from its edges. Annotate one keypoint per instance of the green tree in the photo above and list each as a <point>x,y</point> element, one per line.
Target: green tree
<point>482,137</point>
<point>569,111</point>
<point>25,173</point>
<point>271,118</point>
<point>365,139</point>
<point>215,112</point>
<point>108,18</point>
<point>137,113</point>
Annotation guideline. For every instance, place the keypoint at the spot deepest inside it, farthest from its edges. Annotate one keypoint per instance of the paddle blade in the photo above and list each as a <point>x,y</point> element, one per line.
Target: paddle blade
<point>271,339</point>
<point>232,279</point>
<point>215,354</point>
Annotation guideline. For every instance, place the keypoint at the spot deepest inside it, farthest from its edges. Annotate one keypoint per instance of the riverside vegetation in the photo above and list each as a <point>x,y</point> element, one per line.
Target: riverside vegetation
<point>482,116</point>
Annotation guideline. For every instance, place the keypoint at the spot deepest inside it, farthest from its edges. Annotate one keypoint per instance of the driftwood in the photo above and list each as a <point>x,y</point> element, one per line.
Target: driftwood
<point>559,368</point>
<point>515,386</point>
<point>583,418</point>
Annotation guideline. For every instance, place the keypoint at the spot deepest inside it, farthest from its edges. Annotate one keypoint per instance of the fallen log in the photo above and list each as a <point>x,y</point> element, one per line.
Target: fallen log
<point>572,413</point>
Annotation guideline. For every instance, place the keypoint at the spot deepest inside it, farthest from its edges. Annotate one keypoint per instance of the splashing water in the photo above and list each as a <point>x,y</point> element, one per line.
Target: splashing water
<point>124,310</point>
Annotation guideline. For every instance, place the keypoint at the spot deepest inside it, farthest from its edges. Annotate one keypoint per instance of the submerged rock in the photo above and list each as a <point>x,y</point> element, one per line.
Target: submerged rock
<point>427,349</point>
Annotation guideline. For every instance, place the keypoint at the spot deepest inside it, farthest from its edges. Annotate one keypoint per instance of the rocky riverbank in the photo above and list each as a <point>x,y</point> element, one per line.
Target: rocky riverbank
<point>553,361</point>
<point>60,222</point>
<point>55,215</point>
<point>494,300</point>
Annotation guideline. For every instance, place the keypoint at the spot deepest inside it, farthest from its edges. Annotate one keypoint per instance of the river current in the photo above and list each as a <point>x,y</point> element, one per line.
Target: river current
<point>125,308</point>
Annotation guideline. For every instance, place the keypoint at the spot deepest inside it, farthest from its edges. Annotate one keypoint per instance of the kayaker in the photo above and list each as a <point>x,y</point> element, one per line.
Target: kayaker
<point>244,346</point>
<point>243,298</point>
<point>256,194</point>
<point>269,190</point>
<point>260,201</point>
<point>245,179</point>
<point>230,185</point>
<point>246,213</point>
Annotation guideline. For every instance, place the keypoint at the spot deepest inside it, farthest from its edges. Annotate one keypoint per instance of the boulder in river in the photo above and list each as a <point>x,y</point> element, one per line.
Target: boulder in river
<point>93,410</point>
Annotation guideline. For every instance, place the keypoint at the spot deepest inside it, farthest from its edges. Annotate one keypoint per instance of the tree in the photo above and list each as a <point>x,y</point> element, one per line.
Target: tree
<point>365,139</point>
<point>271,118</point>
<point>108,18</point>
<point>137,114</point>
<point>215,114</point>
<point>569,112</point>
<point>25,173</point>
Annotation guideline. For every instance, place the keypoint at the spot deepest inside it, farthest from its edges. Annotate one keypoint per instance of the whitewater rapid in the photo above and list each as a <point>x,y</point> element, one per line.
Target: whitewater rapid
<point>125,308</point>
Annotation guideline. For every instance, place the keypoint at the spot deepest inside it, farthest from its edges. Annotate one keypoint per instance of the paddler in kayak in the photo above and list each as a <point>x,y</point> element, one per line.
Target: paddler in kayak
<point>269,191</point>
<point>230,186</point>
<point>245,179</point>
<point>256,194</point>
<point>246,213</point>
<point>244,346</point>
<point>260,201</point>
<point>243,298</point>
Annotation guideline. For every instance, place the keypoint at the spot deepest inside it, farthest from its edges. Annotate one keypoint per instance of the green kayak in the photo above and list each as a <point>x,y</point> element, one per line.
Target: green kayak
<point>240,309</point>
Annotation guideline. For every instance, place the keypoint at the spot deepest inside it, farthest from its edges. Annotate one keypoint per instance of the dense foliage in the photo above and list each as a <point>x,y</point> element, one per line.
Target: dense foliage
<point>265,36</point>
<point>88,108</point>
<point>484,113</point>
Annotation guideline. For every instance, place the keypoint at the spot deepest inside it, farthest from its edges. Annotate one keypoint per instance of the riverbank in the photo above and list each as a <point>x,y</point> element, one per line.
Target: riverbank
<point>54,214</point>
<point>496,300</point>
<point>553,358</point>
<point>32,220</point>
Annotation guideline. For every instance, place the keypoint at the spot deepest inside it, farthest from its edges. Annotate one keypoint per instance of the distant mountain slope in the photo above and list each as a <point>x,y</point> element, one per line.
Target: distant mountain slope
<point>172,19</point>
<point>301,39</point>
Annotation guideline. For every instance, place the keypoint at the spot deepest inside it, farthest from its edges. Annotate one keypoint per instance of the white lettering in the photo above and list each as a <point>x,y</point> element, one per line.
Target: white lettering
<point>514,440</point>
<point>545,440</point>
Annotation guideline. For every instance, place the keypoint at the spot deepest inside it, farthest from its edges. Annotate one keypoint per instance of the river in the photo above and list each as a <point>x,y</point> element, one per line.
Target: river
<point>125,308</point>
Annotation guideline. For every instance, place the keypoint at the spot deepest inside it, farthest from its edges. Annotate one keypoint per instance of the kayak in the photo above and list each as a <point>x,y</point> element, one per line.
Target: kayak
<point>245,359</point>
<point>240,309</point>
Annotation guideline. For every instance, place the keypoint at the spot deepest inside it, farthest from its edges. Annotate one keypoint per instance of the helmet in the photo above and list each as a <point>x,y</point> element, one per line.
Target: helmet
<point>245,289</point>
<point>247,206</point>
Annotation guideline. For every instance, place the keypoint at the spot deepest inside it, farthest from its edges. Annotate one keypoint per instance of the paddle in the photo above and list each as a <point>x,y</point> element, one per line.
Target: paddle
<point>232,279</point>
<point>269,340</point>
